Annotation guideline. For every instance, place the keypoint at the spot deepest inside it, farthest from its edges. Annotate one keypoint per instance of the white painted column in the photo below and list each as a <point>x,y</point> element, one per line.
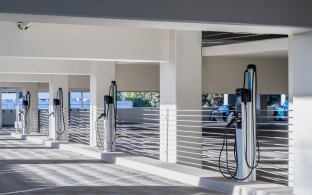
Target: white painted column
<point>226,99</point>
<point>17,110</point>
<point>1,112</point>
<point>33,113</point>
<point>181,89</point>
<point>283,98</point>
<point>56,82</point>
<point>300,101</point>
<point>103,73</point>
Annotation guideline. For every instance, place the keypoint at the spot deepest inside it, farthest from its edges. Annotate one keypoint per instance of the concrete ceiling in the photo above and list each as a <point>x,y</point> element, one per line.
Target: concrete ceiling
<point>265,12</point>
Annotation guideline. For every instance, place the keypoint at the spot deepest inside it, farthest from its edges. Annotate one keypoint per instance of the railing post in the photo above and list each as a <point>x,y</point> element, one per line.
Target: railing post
<point>38,122</point>
<point>290,146</point>
<point>167,134</point>
<point>164,133</point>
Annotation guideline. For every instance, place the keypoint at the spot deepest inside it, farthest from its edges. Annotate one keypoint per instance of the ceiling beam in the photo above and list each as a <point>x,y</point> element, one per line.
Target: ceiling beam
<point>39,66</point>
<point>248,48</point>
<point>81,42</point>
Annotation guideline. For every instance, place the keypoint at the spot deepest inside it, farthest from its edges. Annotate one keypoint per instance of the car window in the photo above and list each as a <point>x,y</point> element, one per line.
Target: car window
<point>223,108</point>
<point>285,105</point>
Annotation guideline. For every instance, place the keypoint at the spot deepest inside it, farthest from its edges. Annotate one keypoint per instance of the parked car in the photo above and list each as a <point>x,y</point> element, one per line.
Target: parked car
<point>223,113</point>
<point>281,112</point>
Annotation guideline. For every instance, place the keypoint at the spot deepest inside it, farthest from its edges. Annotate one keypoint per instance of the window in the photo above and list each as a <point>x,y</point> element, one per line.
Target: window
<point>137,99</point>
<point>8,100</point>
<point>79,100</point>
<point>75,99</point>
<point>43,100</point>
<point>86,100</point>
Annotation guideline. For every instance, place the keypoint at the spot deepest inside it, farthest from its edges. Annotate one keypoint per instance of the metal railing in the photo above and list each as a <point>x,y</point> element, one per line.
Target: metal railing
<point>138,134</point>
<point>189,137</point>
<point>43,118</point>
<point>79,126</point>
<point>195,137</point>
<point>99,126</point>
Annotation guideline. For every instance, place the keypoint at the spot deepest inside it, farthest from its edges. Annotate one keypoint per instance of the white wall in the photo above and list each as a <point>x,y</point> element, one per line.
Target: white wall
<point>225,74</point>
<point>75,83</point>
<point>43,87</point>
<point>79,82</point>
<point>137,77</point>
<point>129,77</point>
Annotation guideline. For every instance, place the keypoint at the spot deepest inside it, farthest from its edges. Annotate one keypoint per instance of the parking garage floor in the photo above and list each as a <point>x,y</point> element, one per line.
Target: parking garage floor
<point>28,168</point>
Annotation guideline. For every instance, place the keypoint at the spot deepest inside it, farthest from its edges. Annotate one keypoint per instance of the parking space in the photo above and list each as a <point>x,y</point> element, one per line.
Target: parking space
<point>27,168</point>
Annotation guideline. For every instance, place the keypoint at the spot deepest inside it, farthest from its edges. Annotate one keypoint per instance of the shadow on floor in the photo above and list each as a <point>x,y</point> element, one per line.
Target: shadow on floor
<point>30,148</point>
<point>49,161</point>
<point>120,190</point>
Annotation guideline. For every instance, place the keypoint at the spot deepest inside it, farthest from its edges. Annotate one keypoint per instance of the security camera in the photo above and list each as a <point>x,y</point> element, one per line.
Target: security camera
<point>23,26</point>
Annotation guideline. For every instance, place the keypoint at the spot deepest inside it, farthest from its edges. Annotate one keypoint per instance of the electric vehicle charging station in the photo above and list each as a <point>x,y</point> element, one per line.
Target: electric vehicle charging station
<point>110,117</point>
<point>246,142</point>
<point>24,114</point>
<point>58,114</point>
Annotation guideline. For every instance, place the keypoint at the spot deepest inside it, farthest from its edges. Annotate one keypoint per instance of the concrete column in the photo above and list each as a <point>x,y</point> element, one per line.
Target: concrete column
<point>103,73</point>
<point>283,98</point>
<point>17,110</point>
<point>181,89</point>
<point>1,112</point>
<point>265,114</point>
<point>33,113</point>
<point>226,99</point>
<point>56,82</point>
<point>300,101</point>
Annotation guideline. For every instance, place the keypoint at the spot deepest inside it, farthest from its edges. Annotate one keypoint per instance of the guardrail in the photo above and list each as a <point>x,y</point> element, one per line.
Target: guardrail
<point>189,137</point>
<point>141,137</point>
<point>195,137</point>
<point>43,115</point>
<point>77,124</point>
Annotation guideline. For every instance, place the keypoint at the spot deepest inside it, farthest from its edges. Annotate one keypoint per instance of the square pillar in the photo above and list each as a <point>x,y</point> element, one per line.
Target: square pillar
<point>18,125</point>
<point>180,90</point>
<point>103,73</point>
<point>300,101</point>
<point>56,82</point>
<point>226,99</point>
<point>33,112</point>
<point>1,111</point>
<point>265,114</point>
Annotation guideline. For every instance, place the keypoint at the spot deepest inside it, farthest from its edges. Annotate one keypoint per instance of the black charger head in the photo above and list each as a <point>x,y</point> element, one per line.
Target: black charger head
<point>108,99</point>
<point>25,103</point>
<point>56,102</point>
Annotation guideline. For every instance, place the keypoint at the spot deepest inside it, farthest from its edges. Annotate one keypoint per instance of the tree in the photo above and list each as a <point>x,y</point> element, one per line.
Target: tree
<point>142,99</point>
<point>273,99</point>
<point>212,99</point>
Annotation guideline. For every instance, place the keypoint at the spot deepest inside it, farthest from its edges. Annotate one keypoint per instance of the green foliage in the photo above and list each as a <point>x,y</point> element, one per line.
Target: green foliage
<point>141,99</point>
<point>118,97</point>
<point>212,99</point>
<point>273,100</point>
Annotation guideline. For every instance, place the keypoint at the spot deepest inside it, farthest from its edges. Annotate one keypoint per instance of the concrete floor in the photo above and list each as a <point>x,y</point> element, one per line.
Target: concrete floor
<point>27,168</point>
